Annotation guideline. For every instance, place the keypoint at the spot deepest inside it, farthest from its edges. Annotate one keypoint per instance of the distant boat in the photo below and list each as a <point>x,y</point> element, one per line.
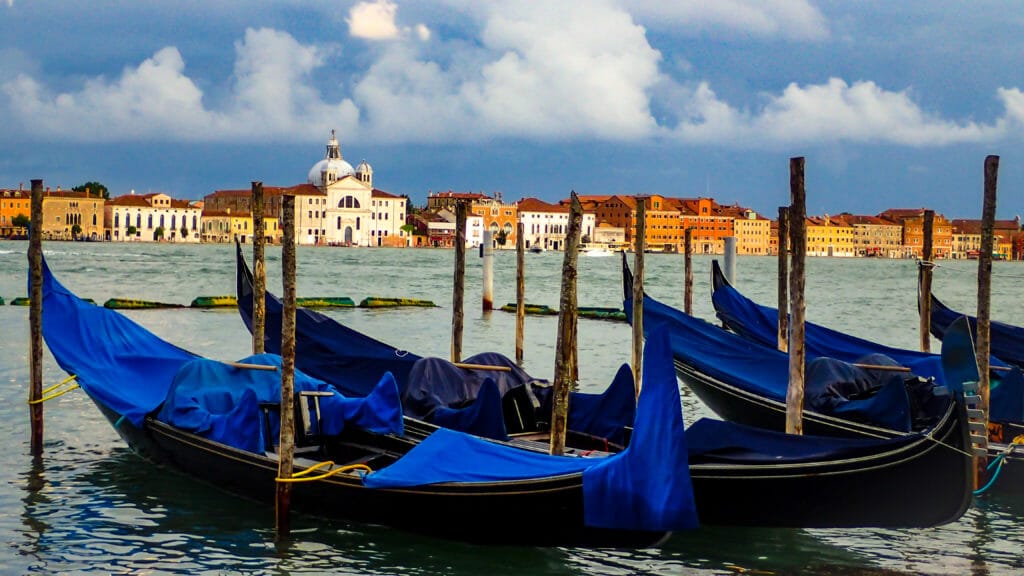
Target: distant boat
<point>536,248</point>
<point>597,252</point>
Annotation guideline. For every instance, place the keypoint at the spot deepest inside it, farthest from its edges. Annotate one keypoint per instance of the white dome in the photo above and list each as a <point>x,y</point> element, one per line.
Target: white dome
<point>336,167</point>
<point>364,168</point>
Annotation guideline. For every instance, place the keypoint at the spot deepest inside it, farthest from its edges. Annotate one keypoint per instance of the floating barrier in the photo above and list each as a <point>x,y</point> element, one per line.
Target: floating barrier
<point>592,312</point>
<point>23,301</point>
<point>326,302</point>
<point>129,304</point>
<point>214,302</point>
<point>378,302</point>
<point>1,300</point>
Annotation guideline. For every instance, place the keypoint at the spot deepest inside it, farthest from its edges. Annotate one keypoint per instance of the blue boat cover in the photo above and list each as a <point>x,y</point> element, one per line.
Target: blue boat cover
<point>354,362</point>
<point>117,362</point>
<point>221,402</point>
<point>760,324</point>
<point>765,371</point>
<point>483,417</point>
<point>645,487</point>
<point>1005,340</point>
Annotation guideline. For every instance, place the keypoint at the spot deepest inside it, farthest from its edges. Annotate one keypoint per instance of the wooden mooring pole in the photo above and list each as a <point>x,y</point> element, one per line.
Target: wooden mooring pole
<point>798,245</point>
<point>259,271</point>
<point>459,287</point>
<point>487,254</point>
<point>565,354</point>
<point>286,445</point>
<point>639,244</point>
<point>988,216</point>
<point>35,315</point>
<point>924,281</point>
<point>783,288</point>
<point>688,271</point>
<point>520,292</point>
<point>729,258</point>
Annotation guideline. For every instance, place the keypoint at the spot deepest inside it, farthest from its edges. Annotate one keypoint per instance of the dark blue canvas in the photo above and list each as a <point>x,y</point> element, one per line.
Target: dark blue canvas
<point>1005,340</point>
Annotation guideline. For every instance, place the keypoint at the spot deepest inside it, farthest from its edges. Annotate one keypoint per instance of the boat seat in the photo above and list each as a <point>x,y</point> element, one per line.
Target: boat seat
<point>519,409</point>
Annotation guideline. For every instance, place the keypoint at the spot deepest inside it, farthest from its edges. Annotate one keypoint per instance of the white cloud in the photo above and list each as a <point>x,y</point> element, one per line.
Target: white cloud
<point>791,19</point>
<point>373,20</point>
<point>271,98</point>
<point>422,32</point>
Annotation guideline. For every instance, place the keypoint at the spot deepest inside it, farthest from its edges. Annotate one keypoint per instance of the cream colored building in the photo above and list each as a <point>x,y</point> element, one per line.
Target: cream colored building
<point>63,210</point>
<point>545,225</point>
<point>753,234</point>
<point>151,217</point>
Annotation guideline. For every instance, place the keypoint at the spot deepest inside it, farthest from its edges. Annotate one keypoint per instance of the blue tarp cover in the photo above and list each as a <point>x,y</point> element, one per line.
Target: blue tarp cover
<point>221,402</point>
<point>119,363</point>
<point>759,369</point>
<point>760,324</point>
<point>1006,340</point>
<point>645,487</point>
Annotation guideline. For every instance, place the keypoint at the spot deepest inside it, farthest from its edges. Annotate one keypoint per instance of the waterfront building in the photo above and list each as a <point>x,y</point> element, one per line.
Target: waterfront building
<point>449,199</point>
<point>225,226</point>
<point>661,218</point>
<point>436,228</point>
<point>753,232</point>
<point>967,238</point>
<point>14,203</point>
<point>151,217</point>
<point>912,220</point>
<point>711,224</point>
<point>64,211</point>
<point>310,202</point>
<point>829,236</point>
<point>876,237</point>
<point>545,225</point>
<point>499,218</point>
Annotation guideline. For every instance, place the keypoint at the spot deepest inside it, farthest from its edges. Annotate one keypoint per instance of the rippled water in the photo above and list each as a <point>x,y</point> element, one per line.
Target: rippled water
<point>91,505</point>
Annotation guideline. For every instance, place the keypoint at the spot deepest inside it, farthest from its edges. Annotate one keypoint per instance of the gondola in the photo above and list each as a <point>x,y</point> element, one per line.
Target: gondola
<point>218,422</point>
<point>758,324</point>
<point>433,389</point>
<point>1006,340</point>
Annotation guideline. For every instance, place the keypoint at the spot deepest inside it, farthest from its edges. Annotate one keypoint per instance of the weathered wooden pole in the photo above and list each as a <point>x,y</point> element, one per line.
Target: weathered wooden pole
<point>35,263</point>
<point>487,253</point>
<point>988,216</point>
<point>688,271</point>
<point>783,289</point>
<point>286,444</point>
<point>798,244</point>
<point>565,355</point>
<point>729,258</point>
<point>924,281</point>
<point>459,288</point>
<point>259,271</point>
<point>520,292</point>
<point>639,244</point>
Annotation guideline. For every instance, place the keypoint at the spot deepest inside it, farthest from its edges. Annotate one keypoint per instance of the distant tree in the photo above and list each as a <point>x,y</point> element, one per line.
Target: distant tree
<point>585,239</point>
<point>75,231</point>
<point>158,234</point>
<point>501,238</point>
<point>131,231</point>
<point>21,221</point>
<point>95,189</point>
<point>409,208</point>
<point>184,232</point>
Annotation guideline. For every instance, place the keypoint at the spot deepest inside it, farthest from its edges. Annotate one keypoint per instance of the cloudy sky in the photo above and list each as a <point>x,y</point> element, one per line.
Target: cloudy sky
<point>893,104</point>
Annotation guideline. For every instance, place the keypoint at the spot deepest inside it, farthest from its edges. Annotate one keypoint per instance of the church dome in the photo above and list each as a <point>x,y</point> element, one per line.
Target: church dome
<point>364,168</point>
<point>332,168</point>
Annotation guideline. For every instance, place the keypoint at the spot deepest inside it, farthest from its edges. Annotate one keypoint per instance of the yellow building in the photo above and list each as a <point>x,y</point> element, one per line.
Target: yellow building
<point>829,236</point>
<point>753,234</point>
<point>225,225</point>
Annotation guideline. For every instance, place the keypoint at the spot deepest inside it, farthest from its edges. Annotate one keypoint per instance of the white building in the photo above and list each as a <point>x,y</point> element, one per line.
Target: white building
<point>355,213</point>
<point>546,224</point>
<point>151,217</point>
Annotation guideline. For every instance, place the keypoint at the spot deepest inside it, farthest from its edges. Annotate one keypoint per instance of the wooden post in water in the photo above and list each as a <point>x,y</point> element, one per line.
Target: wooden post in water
<point>520,292</point>
<point>487,253</point>
<point>286,445</point>
<point>35,315</point>
<point>639,244</point>
<point>459,288</point>
<point>565,355</point>
<point>259,271</point>
<point>798,244</point>
<point>988,216</point>
<point>783,289</point>
<point>729,258</point>
<point>924,281</point>
<point>688,271</point>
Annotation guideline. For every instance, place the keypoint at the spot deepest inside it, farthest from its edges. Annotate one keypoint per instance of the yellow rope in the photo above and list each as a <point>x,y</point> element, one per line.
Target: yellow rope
<point>45,392</point>
<point>301,476</point>
<point>1018,440</point>
<point>58,385</point>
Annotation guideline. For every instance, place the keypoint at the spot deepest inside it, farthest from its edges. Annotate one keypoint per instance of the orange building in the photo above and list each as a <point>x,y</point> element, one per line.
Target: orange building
<point>661,219</point>
<point>499,218</point>
<point>711,224</point>
<point>14,203</point>
<point>912,220</point>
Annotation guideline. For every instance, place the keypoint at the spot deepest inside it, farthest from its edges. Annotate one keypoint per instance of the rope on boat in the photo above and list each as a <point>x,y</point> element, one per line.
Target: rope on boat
<point>998,464</point>
<point>302,475</point>
<point>49,394</point>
